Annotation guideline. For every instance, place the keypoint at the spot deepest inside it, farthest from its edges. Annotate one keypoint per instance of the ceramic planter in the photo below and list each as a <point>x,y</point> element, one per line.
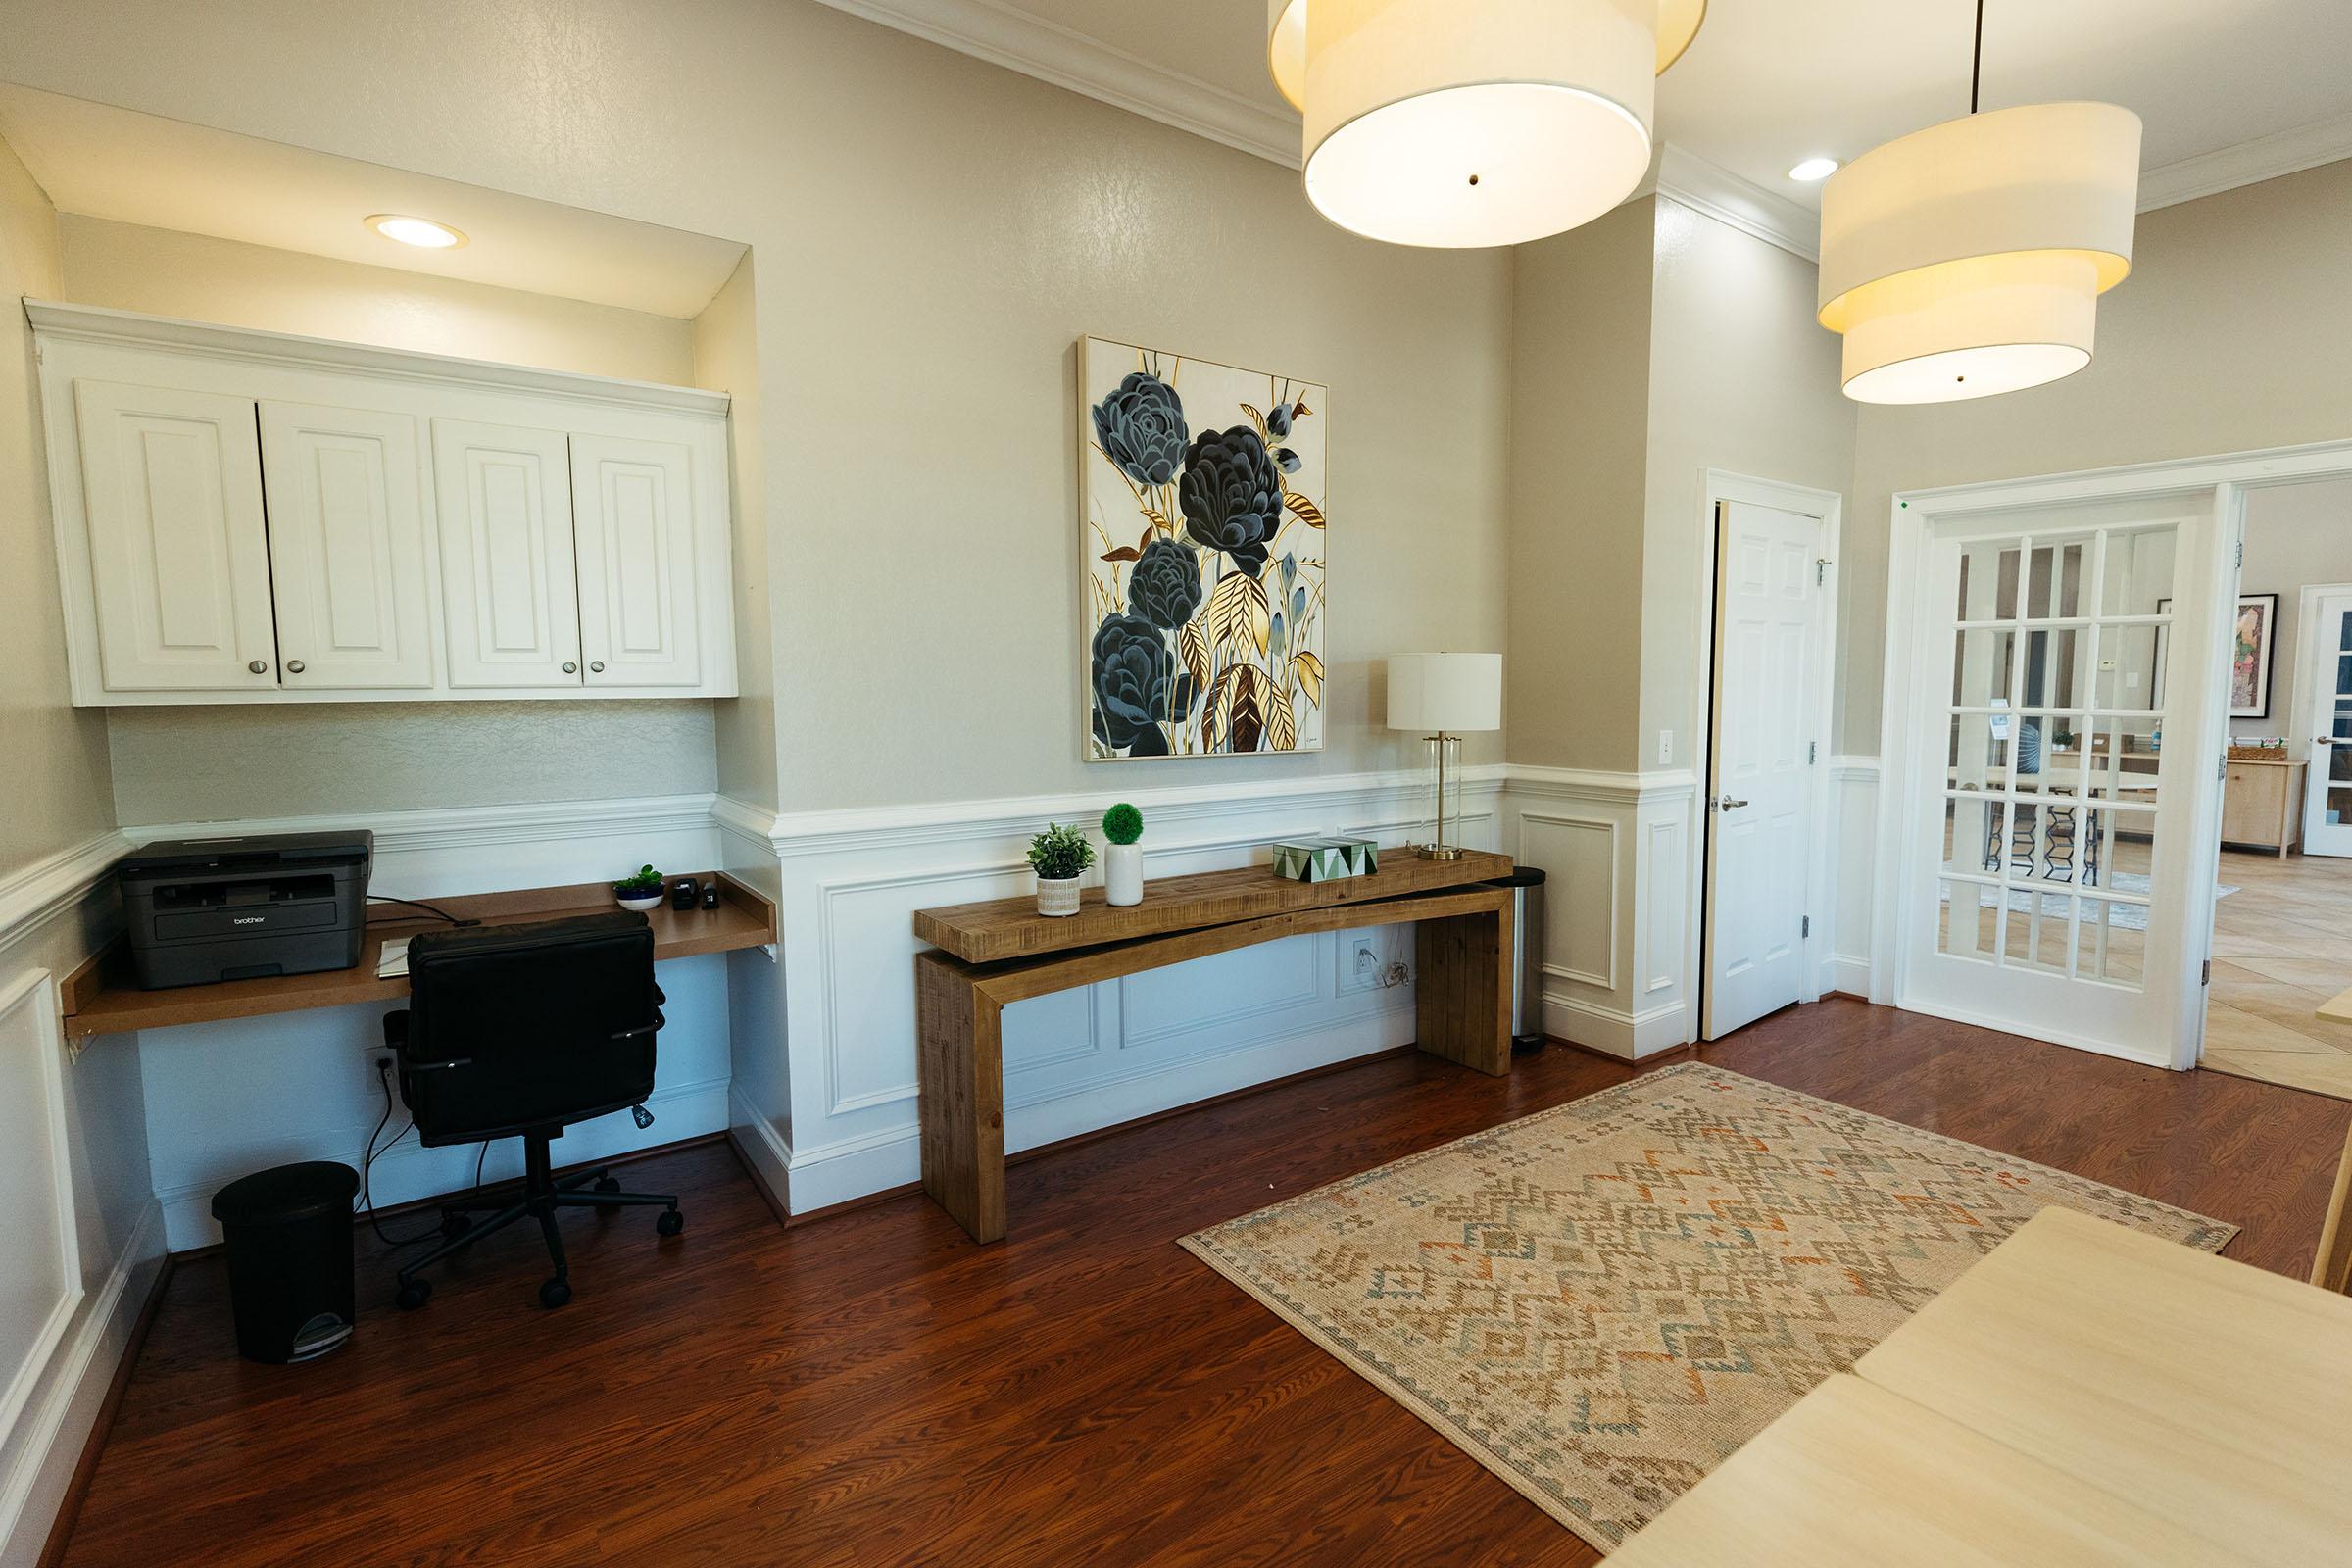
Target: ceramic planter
<point>1123,874</point>
<point>640,901</point>
<point>1057,896</point>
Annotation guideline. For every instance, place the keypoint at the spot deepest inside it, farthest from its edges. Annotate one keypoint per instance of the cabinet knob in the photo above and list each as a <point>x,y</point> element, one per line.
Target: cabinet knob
<point>570,668</point>
<point>259,667</point>
<point>293,667</point>
<point>596,667</point>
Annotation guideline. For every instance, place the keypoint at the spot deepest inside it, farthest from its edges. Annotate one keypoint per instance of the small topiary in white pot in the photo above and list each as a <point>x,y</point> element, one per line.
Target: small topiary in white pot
<point>1060,855</point>
<point>1123,862</point>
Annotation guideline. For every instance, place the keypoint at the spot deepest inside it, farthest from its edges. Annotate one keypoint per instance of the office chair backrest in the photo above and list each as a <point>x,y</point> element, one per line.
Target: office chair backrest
<point>522,1026</point>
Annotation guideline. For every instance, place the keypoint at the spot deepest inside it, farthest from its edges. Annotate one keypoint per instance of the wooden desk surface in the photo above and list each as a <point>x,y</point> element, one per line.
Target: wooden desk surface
<point>1012,928</point>
<point>100,999</point>
<point>2205,1392</point>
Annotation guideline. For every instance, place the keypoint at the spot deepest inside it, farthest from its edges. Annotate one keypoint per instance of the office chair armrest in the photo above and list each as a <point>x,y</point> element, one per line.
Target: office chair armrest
<point>642,1029</point>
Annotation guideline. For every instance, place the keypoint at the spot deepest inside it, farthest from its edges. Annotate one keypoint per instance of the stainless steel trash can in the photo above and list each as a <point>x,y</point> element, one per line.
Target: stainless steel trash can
<point>1527,958</point>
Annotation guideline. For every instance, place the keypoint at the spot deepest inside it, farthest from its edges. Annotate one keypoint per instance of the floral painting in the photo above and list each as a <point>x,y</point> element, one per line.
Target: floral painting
<point>1202,542</point>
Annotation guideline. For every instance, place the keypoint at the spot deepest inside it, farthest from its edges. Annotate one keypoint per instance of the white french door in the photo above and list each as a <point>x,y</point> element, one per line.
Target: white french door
<point>2327,720</point>
<point>2051,836</point>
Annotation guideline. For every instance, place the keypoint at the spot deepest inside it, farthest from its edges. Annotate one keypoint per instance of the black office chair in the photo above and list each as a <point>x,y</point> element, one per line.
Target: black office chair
<point>525,1029</point>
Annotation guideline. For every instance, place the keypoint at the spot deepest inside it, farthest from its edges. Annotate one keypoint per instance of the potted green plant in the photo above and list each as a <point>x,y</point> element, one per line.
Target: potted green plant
<point>1123,862</point>
<point>1060,855</point>
<point>640,889</point>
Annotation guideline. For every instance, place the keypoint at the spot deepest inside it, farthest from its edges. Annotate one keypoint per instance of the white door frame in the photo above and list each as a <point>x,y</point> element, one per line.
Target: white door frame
<point>1828,507</point>
<point>2199,593</point>
<point>2311,674</point>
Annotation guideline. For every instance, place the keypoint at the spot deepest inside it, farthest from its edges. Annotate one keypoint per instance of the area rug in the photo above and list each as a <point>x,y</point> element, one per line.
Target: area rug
<point>1601,1301</point>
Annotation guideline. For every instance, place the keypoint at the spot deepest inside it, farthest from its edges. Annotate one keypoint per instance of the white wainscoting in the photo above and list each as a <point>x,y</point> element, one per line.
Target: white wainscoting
<point>83,1236</point>
<point>226,1099</point>
<point>1854,821</point>
<point>1618,937</point>
<point>844,1122</point>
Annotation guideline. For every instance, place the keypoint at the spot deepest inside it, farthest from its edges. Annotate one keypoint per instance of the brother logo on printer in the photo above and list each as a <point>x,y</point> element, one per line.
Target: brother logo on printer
<point>250,920</point>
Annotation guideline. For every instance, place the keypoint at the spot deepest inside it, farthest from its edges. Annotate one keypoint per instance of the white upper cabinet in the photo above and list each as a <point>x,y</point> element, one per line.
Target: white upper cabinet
<point>507,563</point>
<point>346,547</point>
<point>179,555</point>
<point>633,522</point>
<point>248,517</point>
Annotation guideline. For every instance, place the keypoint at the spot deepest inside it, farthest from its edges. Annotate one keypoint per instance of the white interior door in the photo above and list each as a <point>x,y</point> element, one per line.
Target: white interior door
<point>2053,869</point>
<point>503,500</point>
<point>2327,717</point>
<point>180,552</point>
<point>634,518</point>
<point>1767,655</point>
<point>347,547</point>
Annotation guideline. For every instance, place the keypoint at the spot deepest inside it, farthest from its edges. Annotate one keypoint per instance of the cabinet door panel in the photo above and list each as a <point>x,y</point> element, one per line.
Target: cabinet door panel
<point>346,547</point>
<point>504,497</point>
<point>633,512</point>
<point>180,552</point>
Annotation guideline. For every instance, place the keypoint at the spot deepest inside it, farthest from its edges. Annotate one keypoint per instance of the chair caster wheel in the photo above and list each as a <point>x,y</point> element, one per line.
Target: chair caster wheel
<point>414,1293</point>
<point>670,1223</point>
<point>554,1294</point>
<point>607,1184</point>
<point>456,1225</point>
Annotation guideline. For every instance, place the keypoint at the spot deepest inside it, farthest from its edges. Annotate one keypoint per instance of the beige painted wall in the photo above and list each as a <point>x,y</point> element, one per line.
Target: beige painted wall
<point>1744,379</point>
<point>52,764</point>
<point>2235,331</point>
<point>933,234</point>
<point>726,359</point>
<point>207,764</point>
<point>163,273</point>
<point>2295,534</point>
<point>1580,368</point>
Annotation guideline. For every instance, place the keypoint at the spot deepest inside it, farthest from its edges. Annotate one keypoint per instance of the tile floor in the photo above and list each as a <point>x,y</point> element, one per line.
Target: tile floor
<point>2282,946</point>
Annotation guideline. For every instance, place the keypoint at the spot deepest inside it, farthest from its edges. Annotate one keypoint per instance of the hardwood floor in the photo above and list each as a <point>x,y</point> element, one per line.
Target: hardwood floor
<point>874,1389</point>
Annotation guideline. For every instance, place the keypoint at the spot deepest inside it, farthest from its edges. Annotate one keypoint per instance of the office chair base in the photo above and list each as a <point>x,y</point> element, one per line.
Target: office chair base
<point>542,1198</point>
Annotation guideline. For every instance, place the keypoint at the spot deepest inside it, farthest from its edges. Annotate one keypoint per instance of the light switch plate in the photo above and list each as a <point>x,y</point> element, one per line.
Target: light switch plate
<point>1665,747</point>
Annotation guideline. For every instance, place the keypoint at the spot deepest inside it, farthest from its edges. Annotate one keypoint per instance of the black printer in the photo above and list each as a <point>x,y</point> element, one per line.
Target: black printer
<point>234,909</point>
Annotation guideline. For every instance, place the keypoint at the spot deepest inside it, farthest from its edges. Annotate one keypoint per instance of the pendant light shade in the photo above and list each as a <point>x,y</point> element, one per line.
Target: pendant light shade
<point>1471,123</point>
<point>1967,260</point>
<point>1286,40</point>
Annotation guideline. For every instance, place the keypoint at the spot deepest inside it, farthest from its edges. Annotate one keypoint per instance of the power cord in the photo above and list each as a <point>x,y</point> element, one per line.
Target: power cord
<point>413,904</point>
<point>383,1076</point>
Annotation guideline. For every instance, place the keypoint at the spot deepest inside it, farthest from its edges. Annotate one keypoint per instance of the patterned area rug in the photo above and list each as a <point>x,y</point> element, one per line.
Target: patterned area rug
<point>1601,1301</point>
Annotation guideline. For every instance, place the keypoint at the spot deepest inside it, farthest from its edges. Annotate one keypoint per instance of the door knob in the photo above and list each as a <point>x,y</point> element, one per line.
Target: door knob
<point>570,668</point>
<point>259,667</point>
<point>1727,803</point>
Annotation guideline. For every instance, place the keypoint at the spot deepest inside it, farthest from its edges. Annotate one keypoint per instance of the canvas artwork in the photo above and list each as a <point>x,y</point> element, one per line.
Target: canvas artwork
<point>2250,646</point>
<point>1203,544</point>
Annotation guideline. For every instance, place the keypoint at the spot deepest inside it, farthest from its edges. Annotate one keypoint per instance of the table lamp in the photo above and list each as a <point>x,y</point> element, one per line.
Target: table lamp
<point>1443,696</point>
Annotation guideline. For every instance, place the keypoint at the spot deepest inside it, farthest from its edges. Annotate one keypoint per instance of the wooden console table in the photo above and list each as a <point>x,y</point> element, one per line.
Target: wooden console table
<point>1004,951</point>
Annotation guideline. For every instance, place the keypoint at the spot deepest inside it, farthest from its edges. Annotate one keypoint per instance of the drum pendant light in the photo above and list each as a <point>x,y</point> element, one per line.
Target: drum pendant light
<point>1469,122</point>
<point>1967,260</point>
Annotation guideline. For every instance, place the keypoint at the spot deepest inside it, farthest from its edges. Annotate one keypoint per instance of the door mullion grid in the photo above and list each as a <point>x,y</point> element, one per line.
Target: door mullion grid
<point>2017,734</point>
<point>2095,604</point>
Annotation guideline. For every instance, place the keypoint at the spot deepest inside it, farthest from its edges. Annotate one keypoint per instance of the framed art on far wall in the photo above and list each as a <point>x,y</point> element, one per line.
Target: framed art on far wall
<point>1202,549</point>
<point>2251,645</point>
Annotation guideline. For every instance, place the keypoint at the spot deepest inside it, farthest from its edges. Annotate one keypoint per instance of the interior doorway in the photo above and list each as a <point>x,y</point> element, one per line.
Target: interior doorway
<point>2280,1003</point>
<point>1770,627</point>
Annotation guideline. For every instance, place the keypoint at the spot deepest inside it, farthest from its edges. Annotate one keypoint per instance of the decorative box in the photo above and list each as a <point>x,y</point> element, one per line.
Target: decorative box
<point>1325,859</point>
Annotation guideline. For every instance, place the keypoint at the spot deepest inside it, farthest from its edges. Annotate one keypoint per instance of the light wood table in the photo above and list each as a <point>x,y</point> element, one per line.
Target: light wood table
<point>1004,951</point>
<point>2337,1009</point>
<point>2087,1393</point>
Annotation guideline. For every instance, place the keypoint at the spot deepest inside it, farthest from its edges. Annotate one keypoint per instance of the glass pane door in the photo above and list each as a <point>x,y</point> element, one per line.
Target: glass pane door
<point>2047,827</point>
<point>2328,822</point>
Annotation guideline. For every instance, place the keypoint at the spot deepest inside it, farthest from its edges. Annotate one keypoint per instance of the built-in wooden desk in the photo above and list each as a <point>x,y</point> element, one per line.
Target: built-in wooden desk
<point>1004,951</point>
<point>100,997</point>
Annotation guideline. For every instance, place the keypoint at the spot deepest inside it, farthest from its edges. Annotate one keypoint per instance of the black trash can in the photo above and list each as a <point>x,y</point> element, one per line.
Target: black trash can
<point>288,1235</point>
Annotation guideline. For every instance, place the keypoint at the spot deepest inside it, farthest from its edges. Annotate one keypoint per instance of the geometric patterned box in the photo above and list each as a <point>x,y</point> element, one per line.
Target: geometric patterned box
<point>1325,859</point>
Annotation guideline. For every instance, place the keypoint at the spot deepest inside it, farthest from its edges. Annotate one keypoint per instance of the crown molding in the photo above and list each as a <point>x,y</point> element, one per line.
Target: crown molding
<point>1002,35</point>
<point>2250,163</point>
<point>1740,202</point>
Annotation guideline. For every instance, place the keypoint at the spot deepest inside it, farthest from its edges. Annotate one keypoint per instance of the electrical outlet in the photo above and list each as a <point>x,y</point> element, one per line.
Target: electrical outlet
<point>1362,962</point>
<point>1665,747</point>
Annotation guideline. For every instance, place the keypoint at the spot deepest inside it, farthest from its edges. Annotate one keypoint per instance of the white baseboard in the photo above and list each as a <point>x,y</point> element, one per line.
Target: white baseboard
<point>1846,973</point>
<point>58,1422</point>
<point>756,1138</point>
<point>1629,1036</point>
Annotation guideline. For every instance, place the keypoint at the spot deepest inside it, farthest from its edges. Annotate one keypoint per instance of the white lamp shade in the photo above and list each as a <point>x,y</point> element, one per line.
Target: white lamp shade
<point>1967,258</point>
<point>1453,692</point>
<point>1286,40</point>
<point>1476,122</point>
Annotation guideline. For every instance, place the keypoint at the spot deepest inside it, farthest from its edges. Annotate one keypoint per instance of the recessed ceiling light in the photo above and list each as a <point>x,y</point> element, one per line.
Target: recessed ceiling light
<point>1813,168</point>
<point>418,231</point>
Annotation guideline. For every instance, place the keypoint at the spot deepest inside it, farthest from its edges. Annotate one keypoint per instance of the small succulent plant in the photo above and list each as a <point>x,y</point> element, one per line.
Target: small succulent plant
<point>642,883</point>
<point>1123,824</point>
<point>1061,853</point>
